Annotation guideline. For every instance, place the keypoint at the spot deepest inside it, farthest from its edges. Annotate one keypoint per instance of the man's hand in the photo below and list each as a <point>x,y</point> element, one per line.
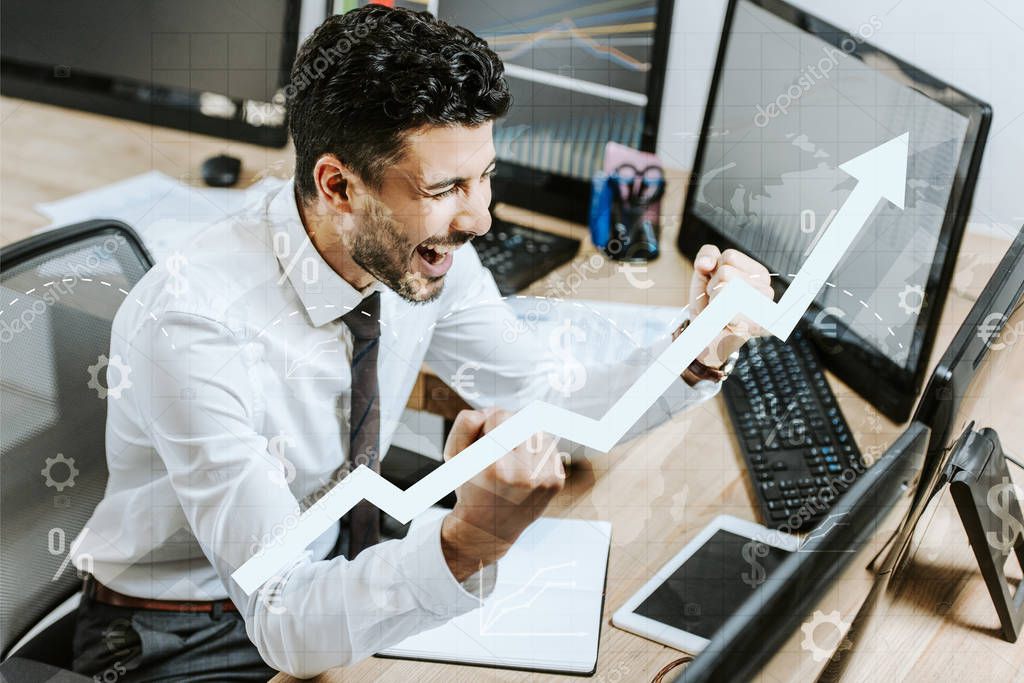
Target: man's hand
<point>495,506</point>
<point>712,269</point>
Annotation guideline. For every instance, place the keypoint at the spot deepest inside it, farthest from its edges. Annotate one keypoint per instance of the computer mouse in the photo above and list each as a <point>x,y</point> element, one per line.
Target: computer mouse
<point>221,170</point>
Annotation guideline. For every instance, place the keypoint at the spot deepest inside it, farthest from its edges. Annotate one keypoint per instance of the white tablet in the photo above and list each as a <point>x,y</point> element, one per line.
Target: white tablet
<point>689,598</point>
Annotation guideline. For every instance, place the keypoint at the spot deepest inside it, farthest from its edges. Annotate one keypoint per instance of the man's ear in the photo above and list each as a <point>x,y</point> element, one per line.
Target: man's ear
<point>336,184</point>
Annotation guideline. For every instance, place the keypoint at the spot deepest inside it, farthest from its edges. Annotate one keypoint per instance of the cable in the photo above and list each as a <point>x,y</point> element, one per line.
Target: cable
<point>1014,461</point>
<point>660,676</point>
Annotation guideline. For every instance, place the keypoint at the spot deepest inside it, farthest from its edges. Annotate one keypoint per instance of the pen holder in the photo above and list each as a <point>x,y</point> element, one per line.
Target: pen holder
<point>626,204</point>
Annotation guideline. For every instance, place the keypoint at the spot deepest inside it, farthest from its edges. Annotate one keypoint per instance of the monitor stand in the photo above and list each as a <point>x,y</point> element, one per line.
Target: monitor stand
<point>987,501</point>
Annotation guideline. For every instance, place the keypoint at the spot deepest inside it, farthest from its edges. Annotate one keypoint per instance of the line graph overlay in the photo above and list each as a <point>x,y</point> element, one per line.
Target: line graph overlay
<point>880,173</point>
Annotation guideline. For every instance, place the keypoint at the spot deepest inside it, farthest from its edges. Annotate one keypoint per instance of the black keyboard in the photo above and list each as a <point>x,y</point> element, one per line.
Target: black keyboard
<point>518,256</point>
<point>796,442</point>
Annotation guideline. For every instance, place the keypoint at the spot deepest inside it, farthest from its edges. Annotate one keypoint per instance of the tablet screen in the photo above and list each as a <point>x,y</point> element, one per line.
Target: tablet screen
<point>711,584</point>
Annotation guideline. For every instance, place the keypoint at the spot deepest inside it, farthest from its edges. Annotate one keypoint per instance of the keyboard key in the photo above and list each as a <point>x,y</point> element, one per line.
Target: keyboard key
<point>776,385</point>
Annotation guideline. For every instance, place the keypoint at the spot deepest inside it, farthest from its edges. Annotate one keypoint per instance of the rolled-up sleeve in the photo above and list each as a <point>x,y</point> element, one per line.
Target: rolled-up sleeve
<point>196,396</point>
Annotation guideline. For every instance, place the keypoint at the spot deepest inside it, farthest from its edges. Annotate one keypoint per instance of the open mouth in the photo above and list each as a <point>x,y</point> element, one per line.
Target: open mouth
<point>435,260</point>
<point>435,254</point>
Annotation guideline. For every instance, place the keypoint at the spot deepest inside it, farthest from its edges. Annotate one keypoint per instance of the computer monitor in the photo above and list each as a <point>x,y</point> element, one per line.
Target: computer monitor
<point>581,74</point>
<point>866,540</point>
<point>791,98</point>
<point>208,67</point>
<point>977,379</point>
<point>765,638</point>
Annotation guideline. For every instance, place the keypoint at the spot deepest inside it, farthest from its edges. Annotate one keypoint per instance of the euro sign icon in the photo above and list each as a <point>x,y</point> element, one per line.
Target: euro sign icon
<point>463,381</point>
<point>1000,498</point>
<point>988,330</point>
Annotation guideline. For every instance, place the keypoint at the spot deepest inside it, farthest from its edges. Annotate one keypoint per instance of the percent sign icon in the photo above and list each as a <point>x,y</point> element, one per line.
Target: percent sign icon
<point>283,249</point>
<point>881,174</point>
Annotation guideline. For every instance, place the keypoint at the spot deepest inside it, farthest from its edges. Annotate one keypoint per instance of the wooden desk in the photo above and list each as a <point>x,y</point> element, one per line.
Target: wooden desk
<point>657,490</point>
<point>661,489</point>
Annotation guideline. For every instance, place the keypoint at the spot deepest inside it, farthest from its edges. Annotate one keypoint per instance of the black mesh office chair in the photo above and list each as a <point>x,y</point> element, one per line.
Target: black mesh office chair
<point>59,292</point>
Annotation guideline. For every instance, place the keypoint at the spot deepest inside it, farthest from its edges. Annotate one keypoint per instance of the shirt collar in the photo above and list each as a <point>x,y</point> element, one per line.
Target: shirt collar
<point>327,296</point>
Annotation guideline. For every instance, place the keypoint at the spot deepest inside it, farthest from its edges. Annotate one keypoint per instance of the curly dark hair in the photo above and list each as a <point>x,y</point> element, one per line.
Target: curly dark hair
<point>366,78</point>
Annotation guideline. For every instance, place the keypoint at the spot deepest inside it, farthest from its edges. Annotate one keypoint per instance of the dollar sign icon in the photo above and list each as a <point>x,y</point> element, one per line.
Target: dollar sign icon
<point>999,499</point>
<point>177,285</point>
<point>752,550</point>
<point>276,447</point>
<point>571,375</point>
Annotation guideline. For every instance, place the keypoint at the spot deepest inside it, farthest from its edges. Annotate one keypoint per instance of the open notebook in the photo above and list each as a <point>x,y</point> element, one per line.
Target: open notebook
<point>545,611</point>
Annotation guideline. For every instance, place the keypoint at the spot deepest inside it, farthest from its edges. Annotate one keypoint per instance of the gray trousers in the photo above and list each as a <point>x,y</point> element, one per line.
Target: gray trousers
<point>126,645</point>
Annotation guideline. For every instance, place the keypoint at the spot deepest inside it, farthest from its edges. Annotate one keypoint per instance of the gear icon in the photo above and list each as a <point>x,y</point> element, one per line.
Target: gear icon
<point>122,373</point>
<point>911,299</point>
<point>47,472</point>
<point>819,653</point>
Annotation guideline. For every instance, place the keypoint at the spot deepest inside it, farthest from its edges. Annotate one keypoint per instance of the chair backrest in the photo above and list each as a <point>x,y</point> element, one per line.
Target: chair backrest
<point>59,292</point>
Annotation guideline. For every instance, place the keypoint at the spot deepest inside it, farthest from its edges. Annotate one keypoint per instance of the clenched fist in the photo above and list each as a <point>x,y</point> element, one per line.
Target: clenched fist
<point>495,506</point>
<point>712,269</point>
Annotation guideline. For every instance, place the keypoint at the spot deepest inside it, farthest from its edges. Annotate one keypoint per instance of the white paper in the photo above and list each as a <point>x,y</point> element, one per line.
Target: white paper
<point>545,610</point>
<point>165,212</point>
<point>605,332</point>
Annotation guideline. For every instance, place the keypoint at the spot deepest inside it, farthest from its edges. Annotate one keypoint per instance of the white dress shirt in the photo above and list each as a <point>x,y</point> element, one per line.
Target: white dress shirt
<point>234,379</point>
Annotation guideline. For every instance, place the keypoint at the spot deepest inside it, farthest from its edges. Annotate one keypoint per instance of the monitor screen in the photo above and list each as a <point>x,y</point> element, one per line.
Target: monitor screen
<point>977,377</point>
<point>578,72</point>
<point>233,50</point>
<point>994,397</point>
<point>788,109</point>
<point>208,67</point>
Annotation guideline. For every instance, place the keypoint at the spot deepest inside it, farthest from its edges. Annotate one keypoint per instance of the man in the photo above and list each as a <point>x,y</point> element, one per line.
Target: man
<point>281,356</point>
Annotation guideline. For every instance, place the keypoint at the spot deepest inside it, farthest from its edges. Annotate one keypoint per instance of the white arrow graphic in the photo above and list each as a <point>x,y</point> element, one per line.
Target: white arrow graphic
<point>881,173</point>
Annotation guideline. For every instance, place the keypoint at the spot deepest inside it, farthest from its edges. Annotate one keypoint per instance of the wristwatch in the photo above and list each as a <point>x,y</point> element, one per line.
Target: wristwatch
<point>698,371</point>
